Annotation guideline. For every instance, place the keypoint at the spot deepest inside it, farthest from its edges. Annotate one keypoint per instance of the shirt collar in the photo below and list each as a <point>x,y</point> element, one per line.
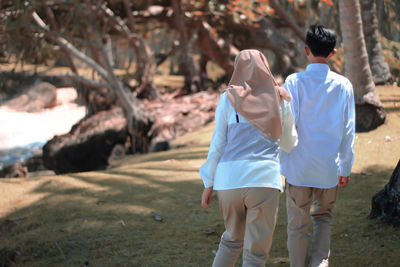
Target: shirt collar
<point>319,67</point>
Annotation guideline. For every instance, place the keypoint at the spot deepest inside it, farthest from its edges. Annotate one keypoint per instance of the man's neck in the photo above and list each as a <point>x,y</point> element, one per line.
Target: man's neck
<point>321,60</point>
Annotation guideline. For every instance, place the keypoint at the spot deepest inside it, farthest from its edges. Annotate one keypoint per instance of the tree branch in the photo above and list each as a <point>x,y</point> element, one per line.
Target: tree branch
<point>289,21</point>
<point>147,73</point>
<point>163,56</point>
<point>53,23</point>
<point>64,43</point>
<point>88,82</point>
<point>217,49</point>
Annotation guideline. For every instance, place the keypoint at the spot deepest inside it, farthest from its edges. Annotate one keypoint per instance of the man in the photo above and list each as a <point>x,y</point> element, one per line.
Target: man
<point>323,109</point>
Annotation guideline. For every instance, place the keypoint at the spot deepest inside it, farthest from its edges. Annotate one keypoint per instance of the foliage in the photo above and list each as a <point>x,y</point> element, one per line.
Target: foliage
<point>238,22</point>
<point>391,51</point>
<point>18,39</point>
<point>389,18</point>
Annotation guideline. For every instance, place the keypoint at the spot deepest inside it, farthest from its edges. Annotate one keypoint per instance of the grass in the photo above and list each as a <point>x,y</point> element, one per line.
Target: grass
<point>106,218</point>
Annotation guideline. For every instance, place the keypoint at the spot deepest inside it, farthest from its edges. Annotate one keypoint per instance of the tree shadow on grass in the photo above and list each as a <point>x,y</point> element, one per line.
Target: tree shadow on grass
<point>357,240</point>
<point>178,154</point>
<point>392,109</point>
<point>105,218</point>
<point>391,100</point>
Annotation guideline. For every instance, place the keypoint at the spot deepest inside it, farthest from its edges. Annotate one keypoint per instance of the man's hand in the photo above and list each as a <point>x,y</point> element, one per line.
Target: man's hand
<point>343,181</point>
<point>206,197</point>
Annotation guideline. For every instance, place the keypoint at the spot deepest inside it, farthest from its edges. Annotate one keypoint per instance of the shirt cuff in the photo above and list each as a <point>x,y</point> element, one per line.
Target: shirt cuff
<point>204,174</point>
<point>207,184</point>
<point>344,171</point>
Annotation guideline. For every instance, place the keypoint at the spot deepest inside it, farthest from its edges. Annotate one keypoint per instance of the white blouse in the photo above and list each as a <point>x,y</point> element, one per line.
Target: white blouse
<point>240,156</point>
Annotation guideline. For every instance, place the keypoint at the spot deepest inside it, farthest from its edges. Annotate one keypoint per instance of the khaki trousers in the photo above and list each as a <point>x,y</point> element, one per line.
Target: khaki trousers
<point>250,217</point>
<point>298,203</point>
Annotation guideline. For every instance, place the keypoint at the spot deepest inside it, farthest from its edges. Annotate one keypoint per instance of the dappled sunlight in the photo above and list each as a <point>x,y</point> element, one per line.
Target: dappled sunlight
<point>381,146</point>
<point>129,208</point>
<point>170,167</point>
<point>102,216</point>
<point>108,217</point>
<point>374,240</point>
<point>70,182</point>
<point>183,153</point>
<point>109,178</point>
<point>14,197</point>
<point>201,137</point>
<point>35,190</point>
<point>90,225</point>
<point>390,98</point>
<point>170,170</point>
<point>174,81</point>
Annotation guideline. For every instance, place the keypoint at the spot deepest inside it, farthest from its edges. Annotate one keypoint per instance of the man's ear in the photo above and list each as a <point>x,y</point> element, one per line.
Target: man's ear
<point>332,53</point>
<point>307,50</point>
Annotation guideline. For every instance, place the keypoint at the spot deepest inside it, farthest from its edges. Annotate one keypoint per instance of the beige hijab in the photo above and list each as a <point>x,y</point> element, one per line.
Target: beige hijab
<point>254,93</point>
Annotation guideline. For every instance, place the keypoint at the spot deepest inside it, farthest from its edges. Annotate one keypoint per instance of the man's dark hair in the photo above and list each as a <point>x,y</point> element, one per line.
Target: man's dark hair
<point>320,40</point>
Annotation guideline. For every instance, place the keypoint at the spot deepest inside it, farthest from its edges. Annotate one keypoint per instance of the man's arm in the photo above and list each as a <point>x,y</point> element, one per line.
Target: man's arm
<point>346,152</point>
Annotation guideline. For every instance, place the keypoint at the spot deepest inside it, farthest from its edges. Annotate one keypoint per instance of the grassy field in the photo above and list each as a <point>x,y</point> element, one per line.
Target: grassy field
<point>108,218</point>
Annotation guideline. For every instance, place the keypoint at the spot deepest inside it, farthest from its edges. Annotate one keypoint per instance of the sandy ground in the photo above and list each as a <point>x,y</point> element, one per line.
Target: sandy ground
<point>20,129</point>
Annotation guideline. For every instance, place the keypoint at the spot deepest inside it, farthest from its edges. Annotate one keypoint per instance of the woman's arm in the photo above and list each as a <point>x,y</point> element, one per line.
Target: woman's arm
<point>288,139</point>
<point>218,143</point>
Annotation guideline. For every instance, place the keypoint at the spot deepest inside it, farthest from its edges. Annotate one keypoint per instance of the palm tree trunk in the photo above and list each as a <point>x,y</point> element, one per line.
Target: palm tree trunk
<point>369,111</point>
<point>379,68</point>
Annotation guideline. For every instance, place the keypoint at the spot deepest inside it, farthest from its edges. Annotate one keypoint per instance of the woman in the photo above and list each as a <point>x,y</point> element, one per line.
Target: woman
<point>253,120</point>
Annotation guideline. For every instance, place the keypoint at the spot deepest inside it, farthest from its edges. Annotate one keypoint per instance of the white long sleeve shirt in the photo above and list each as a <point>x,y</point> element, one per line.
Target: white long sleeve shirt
<point>324,113</point>
<point>240,156</point>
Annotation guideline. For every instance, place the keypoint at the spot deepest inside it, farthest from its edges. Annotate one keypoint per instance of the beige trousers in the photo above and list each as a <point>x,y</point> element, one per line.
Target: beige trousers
<point>298,203</point>
<point>250,217</point>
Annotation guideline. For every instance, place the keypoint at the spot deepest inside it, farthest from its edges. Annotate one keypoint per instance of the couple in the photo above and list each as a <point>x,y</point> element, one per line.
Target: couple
<point>304,131</point>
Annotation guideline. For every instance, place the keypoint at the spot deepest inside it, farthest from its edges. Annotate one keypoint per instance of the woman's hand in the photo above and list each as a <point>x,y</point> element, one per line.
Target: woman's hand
<point>206,197</point>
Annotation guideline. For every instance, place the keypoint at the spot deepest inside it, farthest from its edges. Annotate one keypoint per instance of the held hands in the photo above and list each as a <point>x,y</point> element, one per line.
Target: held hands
<point>343,181</point>
<point>206,197</point>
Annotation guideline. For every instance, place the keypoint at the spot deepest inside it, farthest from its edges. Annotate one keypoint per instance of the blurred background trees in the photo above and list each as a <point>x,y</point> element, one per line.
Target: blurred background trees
<point>124,43</point>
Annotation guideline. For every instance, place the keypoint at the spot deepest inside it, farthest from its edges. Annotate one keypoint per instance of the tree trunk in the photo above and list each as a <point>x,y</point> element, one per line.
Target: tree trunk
<point>369,111</point>
<point>145,67</point>
<point>267,36</point>
<point>292,25</point>
<point>138,119</point>
<point>326,15</point>
<point>216,49</point>
<point>53,23</point>
<point>187,65</point>
<point>396,34</point>
<point>379,68</point>
<point>386,203</point>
